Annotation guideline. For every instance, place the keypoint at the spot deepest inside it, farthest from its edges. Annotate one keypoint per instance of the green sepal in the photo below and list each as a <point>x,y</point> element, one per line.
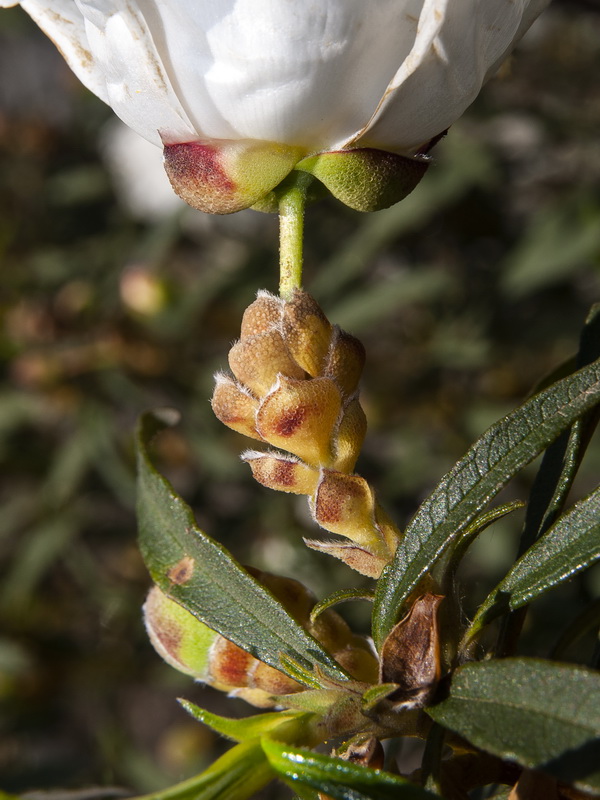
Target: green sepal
<point>313,701</point>
<point>253,727</point>
<point>366,179</point>
<point>338,778</point>
<point>204,578</point>
<point>541,714</point>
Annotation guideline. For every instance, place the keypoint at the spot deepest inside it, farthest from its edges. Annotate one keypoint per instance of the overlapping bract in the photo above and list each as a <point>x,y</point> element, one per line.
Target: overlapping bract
<point>295,387</point>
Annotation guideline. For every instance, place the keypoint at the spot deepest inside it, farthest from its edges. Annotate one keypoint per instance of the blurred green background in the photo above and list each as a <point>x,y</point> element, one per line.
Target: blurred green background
<point>115,298</point>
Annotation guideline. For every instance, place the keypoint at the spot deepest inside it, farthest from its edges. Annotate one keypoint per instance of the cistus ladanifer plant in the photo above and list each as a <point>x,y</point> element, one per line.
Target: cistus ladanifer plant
<point>270,105</point>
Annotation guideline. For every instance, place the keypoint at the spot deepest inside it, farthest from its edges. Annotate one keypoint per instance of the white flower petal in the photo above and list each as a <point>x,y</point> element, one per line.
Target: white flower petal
<point>313,74</point>
<point>137,85</point>
<point>458,44</point>
<point>64,24</point>
<point>303,73</point>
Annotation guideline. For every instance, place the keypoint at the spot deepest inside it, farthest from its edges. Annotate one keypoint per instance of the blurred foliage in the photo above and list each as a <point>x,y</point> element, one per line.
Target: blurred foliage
<point>465,295</point>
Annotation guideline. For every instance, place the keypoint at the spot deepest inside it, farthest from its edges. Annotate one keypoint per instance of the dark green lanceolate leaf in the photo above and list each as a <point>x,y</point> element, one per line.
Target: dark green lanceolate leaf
<point>445,572</point>
<point>204,578</point>
<point>561,461</point>
<point>236,775</point>
<point>556,474</point>
<point>571,545</point>
<point>248,728</point>
<point>541,714</point>
<point>487,466</point>
<point>337,778</point>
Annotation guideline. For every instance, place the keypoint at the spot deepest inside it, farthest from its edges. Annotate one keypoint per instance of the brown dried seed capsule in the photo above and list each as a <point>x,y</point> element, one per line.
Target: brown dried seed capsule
<point>300,417</point>
<point>285,474</point>
<point>262,315</point>
<point>410,655</point>
<point>256,361</point>
<point>307,332</point>
<point>234,406</point>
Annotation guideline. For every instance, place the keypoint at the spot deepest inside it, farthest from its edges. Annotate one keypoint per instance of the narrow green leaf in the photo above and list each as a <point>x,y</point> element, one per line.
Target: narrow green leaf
<point>343,596</point>
<point>445,571</point>
<point>561,460</point>
<point>487,466</point>
<point>204,578</point>
<point>337,778</point>
<point>246,728</point>
<point>572,544</point>
<point>236,775</point>
<point>555,475</point>
<point>541,714</point>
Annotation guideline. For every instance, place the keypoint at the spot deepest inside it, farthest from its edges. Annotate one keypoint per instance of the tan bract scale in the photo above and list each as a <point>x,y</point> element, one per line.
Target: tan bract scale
<point>263,315</point>
<point>284,474</point>
<point>257,360</point>
<point>307,332</point>
<point>349,436</point>
<point>345,361</point>
<point>345,504</point>
<point>300,416</point>
<point>235,407</point>
<point>358,558</point>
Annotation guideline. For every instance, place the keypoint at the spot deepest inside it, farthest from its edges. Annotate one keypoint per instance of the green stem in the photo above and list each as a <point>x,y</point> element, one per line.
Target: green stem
<point>292,202</point>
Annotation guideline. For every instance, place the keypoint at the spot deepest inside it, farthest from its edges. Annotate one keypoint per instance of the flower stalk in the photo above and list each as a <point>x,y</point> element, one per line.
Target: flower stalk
<point>292,203</point>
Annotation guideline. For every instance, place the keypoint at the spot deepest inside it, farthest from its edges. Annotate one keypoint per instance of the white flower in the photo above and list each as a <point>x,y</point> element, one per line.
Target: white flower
<point>289,78</point>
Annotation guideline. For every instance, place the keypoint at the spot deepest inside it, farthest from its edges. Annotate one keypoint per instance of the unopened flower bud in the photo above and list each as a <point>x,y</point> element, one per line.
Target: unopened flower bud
<point>193,648</point>
<point>296,388</point>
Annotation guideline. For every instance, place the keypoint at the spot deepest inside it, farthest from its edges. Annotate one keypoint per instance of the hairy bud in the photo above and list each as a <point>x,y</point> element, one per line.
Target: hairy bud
<point>295,387</point>
<point>191,647</point>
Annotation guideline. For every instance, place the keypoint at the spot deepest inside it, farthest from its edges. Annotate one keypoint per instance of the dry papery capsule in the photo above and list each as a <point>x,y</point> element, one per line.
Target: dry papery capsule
<point>195,649</point>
